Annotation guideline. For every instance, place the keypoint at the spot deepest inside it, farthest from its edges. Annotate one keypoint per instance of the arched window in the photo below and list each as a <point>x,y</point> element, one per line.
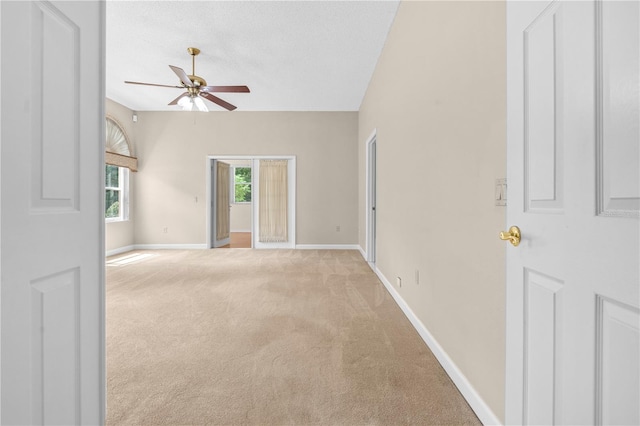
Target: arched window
<point>119,161</point>
<point>118,150</point>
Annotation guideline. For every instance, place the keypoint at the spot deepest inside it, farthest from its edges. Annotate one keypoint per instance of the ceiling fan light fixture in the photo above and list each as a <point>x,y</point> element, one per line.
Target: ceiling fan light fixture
<point>199,103</point>
<point>186,103</point>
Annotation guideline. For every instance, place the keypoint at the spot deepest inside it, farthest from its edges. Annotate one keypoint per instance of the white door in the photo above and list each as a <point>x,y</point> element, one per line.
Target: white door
<point>220,229</point>
<point>52,174</point>
<point>574,192</point>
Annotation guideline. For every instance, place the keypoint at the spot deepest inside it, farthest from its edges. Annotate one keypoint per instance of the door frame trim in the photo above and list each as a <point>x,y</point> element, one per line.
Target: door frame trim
<point>369,223</point>
<point>254,216</point>
<point>104,384</point>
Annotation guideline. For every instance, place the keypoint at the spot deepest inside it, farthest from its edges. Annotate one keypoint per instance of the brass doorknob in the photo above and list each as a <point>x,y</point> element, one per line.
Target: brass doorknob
<point>512,235</point>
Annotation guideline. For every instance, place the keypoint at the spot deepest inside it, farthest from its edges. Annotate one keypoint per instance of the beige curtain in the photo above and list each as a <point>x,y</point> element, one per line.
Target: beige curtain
<point>112,159</point>
<point>222,201</point>
<point>273,196</point>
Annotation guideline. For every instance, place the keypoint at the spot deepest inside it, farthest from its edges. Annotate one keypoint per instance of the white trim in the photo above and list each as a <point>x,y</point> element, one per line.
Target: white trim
<point>208,201</point>
<point>327,246</point>
<point>362,252</point>
<point>367,200</point>
<point>102,236</point>
<point>240,230</point>
<point>1,223</point>
<point>475,401</point>
<point>170,247</point>
<point>125,249</point>
<point>254,202</point>
<point>119,250</point>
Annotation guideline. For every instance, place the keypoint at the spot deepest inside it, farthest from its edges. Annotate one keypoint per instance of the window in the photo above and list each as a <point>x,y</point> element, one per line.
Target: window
<point>242,184</point>
<point>116,193</point>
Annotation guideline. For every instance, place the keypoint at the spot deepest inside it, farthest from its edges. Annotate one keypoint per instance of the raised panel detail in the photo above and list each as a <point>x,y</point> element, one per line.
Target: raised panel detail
<point>618,108</point>
<point>55,79</point>
<point>542,349</point>
<point>543,120</point>
<point>618,373</point>
<point>55,349</point>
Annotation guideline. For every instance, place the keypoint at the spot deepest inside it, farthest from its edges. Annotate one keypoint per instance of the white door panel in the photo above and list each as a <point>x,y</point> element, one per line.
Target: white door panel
<point>573,161</point>
<point>617,145</point>
<point>52,229</point>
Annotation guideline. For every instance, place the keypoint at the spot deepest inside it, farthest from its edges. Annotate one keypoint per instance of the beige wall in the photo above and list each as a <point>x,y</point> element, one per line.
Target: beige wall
<point>121,234</point>
<point>172,148</point>
<point>437,100</point>
<point>240,217</point>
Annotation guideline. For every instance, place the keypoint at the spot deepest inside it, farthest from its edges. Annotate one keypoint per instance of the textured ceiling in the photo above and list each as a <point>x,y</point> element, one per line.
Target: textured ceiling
<point>293,55</point>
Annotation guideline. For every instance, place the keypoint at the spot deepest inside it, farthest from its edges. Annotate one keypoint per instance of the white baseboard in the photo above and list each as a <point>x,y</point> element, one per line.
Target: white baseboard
<point>119,250</point>
<point>240,230</point>
<point>482,410</point>
<point>362,252</point>
<point>170,246</point>
<point>204,246</point>
<point>125,249</point>
<point>327,247</point>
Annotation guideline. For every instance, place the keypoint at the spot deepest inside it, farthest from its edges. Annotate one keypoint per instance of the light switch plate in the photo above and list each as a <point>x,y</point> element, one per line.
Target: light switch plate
<point>501,192</point>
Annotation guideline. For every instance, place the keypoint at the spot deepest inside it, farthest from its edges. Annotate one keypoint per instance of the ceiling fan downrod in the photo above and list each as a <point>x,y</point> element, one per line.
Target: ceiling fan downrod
<point>197,81</point>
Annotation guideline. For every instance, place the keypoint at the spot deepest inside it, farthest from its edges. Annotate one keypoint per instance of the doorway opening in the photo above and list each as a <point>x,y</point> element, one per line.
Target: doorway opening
<point>238,195</point>
<point>370,195</point>
<point>233,202</point>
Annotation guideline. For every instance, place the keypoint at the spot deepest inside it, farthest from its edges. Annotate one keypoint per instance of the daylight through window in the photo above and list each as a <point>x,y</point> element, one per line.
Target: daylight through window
<point>116,193</point>
<point>242,184</point>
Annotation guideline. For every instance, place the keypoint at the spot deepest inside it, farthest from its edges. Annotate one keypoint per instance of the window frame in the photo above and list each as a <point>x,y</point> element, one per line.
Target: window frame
<point>233,184</point>
<point>123,194</point>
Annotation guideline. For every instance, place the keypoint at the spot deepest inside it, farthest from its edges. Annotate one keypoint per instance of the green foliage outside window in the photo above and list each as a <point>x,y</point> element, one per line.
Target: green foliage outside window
<point>111,177</point>
<point>242,183</point>
<point>114,208</point>
<point>112,197</point>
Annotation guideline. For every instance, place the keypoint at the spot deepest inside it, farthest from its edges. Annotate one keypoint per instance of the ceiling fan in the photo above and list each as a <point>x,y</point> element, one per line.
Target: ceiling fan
<point>197,88</point>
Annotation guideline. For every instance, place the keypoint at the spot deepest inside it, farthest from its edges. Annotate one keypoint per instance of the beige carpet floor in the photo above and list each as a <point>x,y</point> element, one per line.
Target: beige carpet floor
<point>265,337</point>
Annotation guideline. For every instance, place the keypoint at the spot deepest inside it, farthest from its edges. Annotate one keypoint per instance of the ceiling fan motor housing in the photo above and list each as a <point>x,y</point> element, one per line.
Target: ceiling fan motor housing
<point>197,81</point>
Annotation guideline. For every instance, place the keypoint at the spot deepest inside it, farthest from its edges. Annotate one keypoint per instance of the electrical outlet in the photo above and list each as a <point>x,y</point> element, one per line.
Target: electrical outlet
<point>399,281</point>
<point>165,230</point>
<point>338,228</point>
<point>417,277</point>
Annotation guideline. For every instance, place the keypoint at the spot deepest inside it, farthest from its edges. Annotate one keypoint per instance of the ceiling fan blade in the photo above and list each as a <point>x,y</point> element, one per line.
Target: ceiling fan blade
<point>152,84</point>
<point>175,101</point>
<point>217,100</point>
<point>182,75</point>
<point>228,89</point>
